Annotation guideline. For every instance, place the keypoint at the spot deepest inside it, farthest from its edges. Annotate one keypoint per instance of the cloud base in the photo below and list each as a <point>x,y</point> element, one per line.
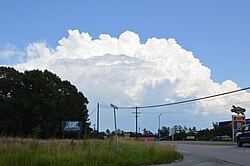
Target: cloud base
<point>126,72</point>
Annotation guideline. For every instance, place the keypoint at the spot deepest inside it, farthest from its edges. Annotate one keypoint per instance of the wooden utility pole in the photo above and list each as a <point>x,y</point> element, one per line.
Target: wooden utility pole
<point>136,121</point>
<point>98,117</point>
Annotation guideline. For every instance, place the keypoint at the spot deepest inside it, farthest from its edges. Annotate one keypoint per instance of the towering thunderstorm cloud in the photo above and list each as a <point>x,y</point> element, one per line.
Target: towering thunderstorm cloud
<point>127,72</point>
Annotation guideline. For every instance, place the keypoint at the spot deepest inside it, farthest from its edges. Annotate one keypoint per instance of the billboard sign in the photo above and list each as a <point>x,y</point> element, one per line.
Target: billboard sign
<point>72,126</point>
<point>237,122</point>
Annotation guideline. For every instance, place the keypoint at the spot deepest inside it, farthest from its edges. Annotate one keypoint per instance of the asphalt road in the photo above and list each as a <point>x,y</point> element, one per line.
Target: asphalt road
<point>211,154</point>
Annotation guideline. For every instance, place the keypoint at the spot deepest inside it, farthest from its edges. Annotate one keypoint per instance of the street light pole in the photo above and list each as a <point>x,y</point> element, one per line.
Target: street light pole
<point>116,137</point>
<point>159,134</point>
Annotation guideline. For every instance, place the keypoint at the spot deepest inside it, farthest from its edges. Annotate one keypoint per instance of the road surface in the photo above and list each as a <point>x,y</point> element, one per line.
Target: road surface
<point>211,153</point>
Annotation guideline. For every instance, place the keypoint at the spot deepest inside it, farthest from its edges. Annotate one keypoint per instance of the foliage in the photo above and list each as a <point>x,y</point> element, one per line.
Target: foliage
<point>147,132</point>
<point>34,103</point>
<point>164,131</point>
<point>83,152</point>
<point>180,133</point>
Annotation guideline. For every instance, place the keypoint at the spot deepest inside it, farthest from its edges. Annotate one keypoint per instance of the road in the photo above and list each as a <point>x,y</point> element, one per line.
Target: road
<point>211,153</point>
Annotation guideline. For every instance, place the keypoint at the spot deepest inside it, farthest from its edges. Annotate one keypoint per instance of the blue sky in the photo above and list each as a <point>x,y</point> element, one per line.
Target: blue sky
<point>217,32</point>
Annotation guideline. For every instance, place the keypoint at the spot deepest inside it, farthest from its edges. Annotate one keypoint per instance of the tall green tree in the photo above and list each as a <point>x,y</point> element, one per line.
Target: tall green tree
<point>164,131</point>
<point>34,103</point>
<point>11,88</point>
<point>147,132</point>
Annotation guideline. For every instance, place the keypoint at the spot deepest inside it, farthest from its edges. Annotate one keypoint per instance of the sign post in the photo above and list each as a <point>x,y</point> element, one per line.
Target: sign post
<point>116,137</point>
<point>237,120</point>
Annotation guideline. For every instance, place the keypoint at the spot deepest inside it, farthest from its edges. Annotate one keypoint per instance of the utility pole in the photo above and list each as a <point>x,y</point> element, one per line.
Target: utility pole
<point>136,116</point>
<point>115,107</point>
<point>98,115</point>
<point>173,132</point>
<point>159,133</point>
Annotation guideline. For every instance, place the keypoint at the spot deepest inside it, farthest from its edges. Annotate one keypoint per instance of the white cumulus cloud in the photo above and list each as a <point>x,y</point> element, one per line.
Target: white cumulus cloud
<point>127,72</point>
<point>11,51</point>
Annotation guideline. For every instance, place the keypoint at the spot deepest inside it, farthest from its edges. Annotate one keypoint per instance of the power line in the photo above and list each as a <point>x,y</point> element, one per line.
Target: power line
<point>189,112</point>
<point>186,101</point>
<point>156,113</point>
<point>174,103</point>
<point>92,112</point>
<point>105,106</point>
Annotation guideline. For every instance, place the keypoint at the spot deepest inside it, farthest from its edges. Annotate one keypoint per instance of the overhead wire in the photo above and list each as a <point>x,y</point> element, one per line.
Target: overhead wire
<point>92,112</point>
<point>123,116</point>
<point>185,101</point>
<point>247,103</point>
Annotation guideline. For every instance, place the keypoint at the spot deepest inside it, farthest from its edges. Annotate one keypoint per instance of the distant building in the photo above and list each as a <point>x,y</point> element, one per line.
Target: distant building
<point>229,123</point>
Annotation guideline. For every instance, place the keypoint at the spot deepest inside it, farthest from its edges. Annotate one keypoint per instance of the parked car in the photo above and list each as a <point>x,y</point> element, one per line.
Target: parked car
<point>243,136</point>
<point>222,138</point>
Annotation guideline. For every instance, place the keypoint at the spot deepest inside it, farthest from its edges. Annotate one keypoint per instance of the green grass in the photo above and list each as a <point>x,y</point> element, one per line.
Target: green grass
<point>22,152</point>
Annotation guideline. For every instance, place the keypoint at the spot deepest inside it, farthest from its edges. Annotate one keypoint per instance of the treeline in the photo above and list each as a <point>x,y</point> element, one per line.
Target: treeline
<point>180,133</point>
<point>34,104</point>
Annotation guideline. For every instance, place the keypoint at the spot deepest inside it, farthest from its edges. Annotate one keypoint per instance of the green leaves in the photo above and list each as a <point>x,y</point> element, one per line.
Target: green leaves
<point>35,98</point>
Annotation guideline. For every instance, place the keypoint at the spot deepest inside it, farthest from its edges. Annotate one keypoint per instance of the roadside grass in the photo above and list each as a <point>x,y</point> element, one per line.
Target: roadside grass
<point>29,152</point>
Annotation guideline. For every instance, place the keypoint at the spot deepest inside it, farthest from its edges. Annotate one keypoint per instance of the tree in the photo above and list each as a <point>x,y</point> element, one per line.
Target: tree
<point>192,131</point>
<point>204,134</point>
<point>11,88</point>
<point>37,102</point>
<point>108,132</point>
<point>179,132</point>
<point>164,131</point>
<point>215,125</point>
<point>119,132</point>
<point>147,132</point>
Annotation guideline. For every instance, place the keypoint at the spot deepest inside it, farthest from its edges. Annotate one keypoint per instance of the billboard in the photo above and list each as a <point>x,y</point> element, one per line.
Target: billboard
<point>237,122</point>
<point>229,123</point>
<point>71,126</point>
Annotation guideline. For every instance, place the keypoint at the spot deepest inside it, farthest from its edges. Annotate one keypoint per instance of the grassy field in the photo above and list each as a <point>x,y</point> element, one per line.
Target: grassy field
<point>17,151</point>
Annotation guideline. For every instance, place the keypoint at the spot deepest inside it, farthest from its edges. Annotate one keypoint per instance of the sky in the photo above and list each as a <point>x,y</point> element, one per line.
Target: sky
<point>136,53</point>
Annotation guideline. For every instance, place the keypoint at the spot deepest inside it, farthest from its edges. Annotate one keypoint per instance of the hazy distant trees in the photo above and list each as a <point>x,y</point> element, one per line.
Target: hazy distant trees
<point>181,133</point>
<point>147,132</point>
<point>34,103</point>
<point>164,131</point>
<point>208,134</point>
